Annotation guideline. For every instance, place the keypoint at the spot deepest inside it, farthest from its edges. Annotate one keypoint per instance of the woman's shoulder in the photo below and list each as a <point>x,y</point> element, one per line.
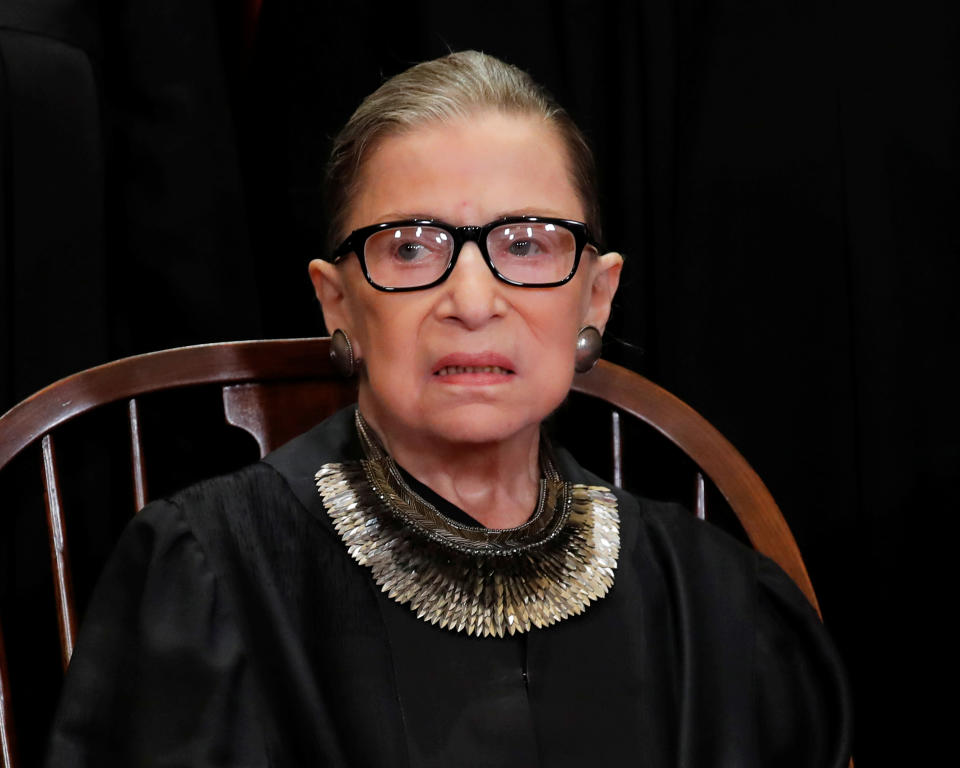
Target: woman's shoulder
<point>668,544</point>
<point>742,618</point>
<point>255,517</point>
<point>260,533</point>
<point>217,500</point>
<point>246,521</point>
<point>238,488</point>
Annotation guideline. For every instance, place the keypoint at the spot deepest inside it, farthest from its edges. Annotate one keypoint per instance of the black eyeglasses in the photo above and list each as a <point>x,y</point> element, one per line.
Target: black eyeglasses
<point>528,251</point>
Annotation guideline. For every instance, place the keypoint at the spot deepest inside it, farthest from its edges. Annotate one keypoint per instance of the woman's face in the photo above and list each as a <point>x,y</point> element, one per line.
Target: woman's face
<point>468,172</point>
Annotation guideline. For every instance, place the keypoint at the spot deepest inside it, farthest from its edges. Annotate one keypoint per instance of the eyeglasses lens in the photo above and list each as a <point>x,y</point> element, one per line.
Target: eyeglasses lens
<point>532,252</point>
<point>406,257</point>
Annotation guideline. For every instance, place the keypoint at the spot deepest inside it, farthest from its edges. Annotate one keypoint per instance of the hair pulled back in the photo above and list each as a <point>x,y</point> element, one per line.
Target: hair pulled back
<point>445,89</point>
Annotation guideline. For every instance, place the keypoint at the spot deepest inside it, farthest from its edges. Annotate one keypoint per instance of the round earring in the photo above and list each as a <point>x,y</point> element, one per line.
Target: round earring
<point>589,347</point>
<point>341,354</point>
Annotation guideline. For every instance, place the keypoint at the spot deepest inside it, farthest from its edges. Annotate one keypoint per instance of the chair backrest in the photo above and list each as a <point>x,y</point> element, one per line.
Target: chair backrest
<point>276,389</point>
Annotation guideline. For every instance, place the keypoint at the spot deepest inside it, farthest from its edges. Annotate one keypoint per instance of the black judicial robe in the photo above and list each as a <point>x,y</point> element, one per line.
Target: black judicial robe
<point>232,628</point>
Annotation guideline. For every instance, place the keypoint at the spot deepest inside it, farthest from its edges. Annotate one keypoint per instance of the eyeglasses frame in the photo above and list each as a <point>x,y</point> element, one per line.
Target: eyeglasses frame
<point>356,241</point>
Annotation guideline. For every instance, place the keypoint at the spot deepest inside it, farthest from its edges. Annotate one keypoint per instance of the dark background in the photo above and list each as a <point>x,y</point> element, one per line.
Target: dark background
<point>782,177</point>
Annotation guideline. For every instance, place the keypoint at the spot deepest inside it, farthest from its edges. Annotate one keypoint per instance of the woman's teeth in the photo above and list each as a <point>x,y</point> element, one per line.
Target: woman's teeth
<point>452,369</point>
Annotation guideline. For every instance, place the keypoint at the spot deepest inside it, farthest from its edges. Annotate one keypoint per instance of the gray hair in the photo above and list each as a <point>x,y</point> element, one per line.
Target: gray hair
<point>449,88</point>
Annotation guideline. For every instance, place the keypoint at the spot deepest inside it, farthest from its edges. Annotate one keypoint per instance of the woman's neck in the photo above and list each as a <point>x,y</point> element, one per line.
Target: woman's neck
<point>496,483</point>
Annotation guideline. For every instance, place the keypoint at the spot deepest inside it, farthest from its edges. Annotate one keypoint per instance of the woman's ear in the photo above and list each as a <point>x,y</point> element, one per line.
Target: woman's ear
<point>604,279</point>
<point>328,284</point>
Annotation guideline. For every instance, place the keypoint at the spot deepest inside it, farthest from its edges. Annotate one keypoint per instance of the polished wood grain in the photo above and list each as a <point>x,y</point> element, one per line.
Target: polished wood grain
<point>136,456</point>
<point>700,496</point>
<point>275,412</point>
<point>8,747</point>
<point>59,553</point>
<point>616,448</point>
<point>231,362</point>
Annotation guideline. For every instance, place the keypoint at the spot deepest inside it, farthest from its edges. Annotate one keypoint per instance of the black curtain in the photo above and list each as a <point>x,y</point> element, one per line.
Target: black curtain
<point>781,176</point>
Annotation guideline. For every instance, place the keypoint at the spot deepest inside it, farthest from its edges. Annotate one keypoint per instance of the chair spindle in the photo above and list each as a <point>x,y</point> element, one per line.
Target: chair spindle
<point>7,749</point>
<point>617,448</point>
<point>59,555</point>
<point>700,497</point>
<point>136,455</point>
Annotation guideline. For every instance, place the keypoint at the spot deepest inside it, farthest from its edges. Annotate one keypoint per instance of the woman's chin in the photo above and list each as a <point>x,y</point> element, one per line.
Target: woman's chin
<point>467,415</point>
<point>484,423</point>
<point>474,424</point>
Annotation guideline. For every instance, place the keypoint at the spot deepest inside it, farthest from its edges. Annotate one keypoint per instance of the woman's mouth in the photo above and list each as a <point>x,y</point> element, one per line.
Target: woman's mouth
<point>451,370</point>
<point>474,368</point>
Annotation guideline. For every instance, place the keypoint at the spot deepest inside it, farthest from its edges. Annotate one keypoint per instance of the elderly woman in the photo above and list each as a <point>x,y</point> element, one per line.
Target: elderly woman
<point>423,579</point>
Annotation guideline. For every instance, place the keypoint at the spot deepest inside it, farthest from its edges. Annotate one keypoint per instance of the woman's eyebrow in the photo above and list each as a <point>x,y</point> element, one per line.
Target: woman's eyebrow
<point>530,210</point>
<point>402,215</point>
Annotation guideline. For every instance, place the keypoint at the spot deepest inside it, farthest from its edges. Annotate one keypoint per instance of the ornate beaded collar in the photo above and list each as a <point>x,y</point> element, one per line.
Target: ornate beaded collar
<point>470,579</point>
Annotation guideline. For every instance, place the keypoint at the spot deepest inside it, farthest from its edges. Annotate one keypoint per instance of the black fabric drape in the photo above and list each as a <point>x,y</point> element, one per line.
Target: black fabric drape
<point>235,629</point>
<point>124,228</point>
<point>782,177</point>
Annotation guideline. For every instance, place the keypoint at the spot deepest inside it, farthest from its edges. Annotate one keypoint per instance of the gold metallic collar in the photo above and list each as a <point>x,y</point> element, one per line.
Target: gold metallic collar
<point>471,579</point>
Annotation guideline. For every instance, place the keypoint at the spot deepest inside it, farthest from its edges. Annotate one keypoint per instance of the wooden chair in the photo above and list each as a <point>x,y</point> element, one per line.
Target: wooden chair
<point>276,389</point>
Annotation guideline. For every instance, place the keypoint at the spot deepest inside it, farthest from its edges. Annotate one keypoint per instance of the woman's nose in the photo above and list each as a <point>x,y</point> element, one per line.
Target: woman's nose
<point>474,294</point>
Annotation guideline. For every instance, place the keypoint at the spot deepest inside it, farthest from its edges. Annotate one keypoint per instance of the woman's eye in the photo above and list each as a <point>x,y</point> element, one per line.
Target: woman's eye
<point>522,248</point>
<point>410,251</point>
<point>528,249</point>
<point>527,242</point>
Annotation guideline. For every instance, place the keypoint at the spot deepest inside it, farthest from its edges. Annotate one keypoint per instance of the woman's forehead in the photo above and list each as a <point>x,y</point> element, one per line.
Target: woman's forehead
<point>471,170</point>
